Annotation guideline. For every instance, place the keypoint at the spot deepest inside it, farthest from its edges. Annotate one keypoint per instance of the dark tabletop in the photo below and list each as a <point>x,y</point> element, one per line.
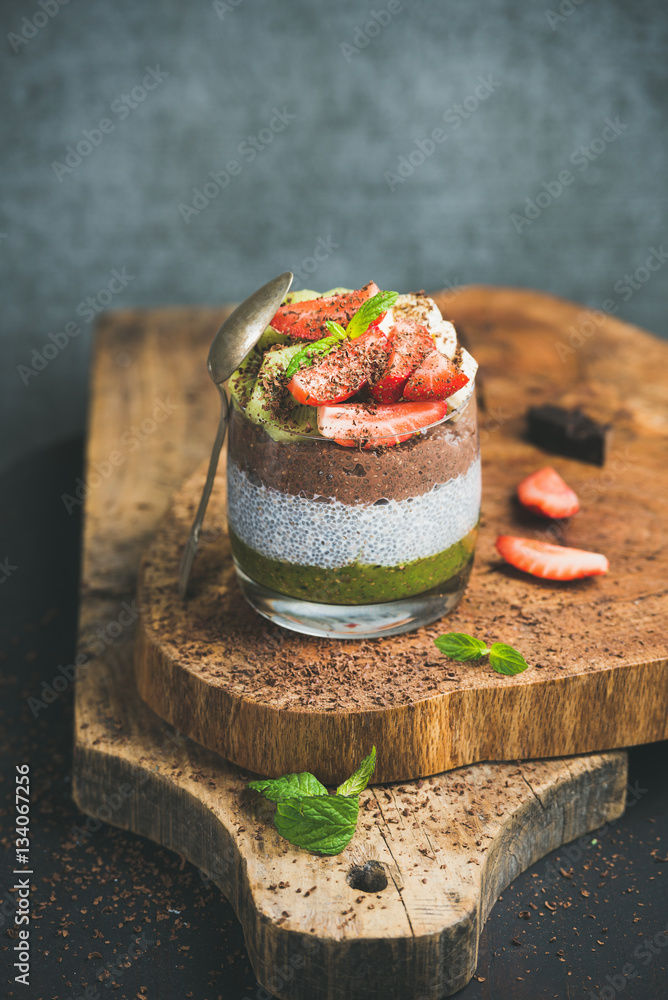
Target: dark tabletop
<point>581,923</point>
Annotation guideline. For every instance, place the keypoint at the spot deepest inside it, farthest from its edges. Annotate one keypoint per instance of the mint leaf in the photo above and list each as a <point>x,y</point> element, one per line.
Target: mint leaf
<point>359,779</point>
<point>369,311</point>
<point>366,314</point>
<point>308,816</point>
<point>460,646</point>
<point>308,354</point>
<point>300,360</point>
<point>321,823</point>
<point>506,660</point>
<point>335,329</point>
<point>289,786</point>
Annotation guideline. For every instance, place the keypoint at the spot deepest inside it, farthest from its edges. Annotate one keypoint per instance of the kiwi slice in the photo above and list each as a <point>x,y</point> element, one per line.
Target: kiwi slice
<point>261,406</point>
<point>267,358</point>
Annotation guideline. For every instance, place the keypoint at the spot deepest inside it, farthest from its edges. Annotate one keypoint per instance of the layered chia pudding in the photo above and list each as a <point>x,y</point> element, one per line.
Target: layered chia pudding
<point>353,465</point>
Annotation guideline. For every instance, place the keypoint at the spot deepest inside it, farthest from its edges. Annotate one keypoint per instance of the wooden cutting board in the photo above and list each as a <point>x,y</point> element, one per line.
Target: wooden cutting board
<point>446,846</point>
<point>274,701</point>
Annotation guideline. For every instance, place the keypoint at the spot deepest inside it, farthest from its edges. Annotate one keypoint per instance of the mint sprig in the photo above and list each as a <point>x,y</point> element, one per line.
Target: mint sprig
<point>335,330</point>
<point>506,660</point>
<point>367,313</point>
<point>359,779</point>
<point>308,354</point>
<point>321,823</point>
<point>460,646</point>
<point>502,658</point>
<point>310,818</point>
<point>290,786</point>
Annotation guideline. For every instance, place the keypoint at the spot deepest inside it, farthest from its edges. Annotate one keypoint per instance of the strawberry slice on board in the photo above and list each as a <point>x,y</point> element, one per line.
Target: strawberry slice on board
<point>373,425</point>
<point>409,344</point>
<point>545,492</point>
<point>436,377</point>
<point>341,373</point>
<point>307,320</point>
<point>550,562</point>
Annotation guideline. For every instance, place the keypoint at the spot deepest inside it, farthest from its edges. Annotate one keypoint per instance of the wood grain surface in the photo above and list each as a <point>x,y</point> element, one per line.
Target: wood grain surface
<point>447,845</point>
<point>274,701</point>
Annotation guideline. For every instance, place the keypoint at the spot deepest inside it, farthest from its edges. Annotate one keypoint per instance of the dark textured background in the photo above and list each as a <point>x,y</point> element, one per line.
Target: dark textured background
<point>323,176</point>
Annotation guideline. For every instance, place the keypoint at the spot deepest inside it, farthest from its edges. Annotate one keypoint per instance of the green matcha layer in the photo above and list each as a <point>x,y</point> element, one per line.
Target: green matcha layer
<point>354,584</point>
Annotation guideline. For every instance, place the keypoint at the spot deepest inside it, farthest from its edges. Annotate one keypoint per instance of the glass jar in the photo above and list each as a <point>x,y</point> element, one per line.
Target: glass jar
<point>348,542</point>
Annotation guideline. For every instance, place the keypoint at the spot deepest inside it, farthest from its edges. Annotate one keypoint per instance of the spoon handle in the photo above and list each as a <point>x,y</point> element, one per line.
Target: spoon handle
<point>191,546</point>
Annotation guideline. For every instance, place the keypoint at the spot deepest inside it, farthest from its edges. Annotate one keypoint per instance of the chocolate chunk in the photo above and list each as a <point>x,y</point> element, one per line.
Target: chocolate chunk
<point>568,432</point>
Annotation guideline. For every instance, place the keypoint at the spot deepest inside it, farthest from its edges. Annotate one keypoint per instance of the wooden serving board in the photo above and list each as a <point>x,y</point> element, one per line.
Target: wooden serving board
<point>447,846</point>
<point>274,701</point>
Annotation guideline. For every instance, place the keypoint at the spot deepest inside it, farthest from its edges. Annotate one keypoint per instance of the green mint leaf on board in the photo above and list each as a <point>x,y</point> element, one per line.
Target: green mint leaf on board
<point>289,786</point>
<point>359,779</point>
<point>370,311</point>
<point>506,660</point>
<point>321,823</point>
<point>460,646</point>
<point>308,816</point>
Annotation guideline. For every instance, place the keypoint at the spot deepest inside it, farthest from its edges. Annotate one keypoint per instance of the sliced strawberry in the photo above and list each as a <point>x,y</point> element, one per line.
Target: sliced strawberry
<point>377,424</point>
<point>435,378</point>
<point>307,319</point>
<point>343,372</point>
<point>373,442</point>
<point>378,320</point>
<point>409,344</point>
<point>550,562</point>
<point>544,492</point>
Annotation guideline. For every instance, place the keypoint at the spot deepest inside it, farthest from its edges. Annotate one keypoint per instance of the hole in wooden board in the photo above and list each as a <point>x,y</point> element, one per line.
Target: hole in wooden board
<point>369,877</point>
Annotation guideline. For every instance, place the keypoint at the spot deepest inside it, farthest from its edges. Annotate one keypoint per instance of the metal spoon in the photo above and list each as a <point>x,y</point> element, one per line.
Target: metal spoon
<point>231,346</point>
